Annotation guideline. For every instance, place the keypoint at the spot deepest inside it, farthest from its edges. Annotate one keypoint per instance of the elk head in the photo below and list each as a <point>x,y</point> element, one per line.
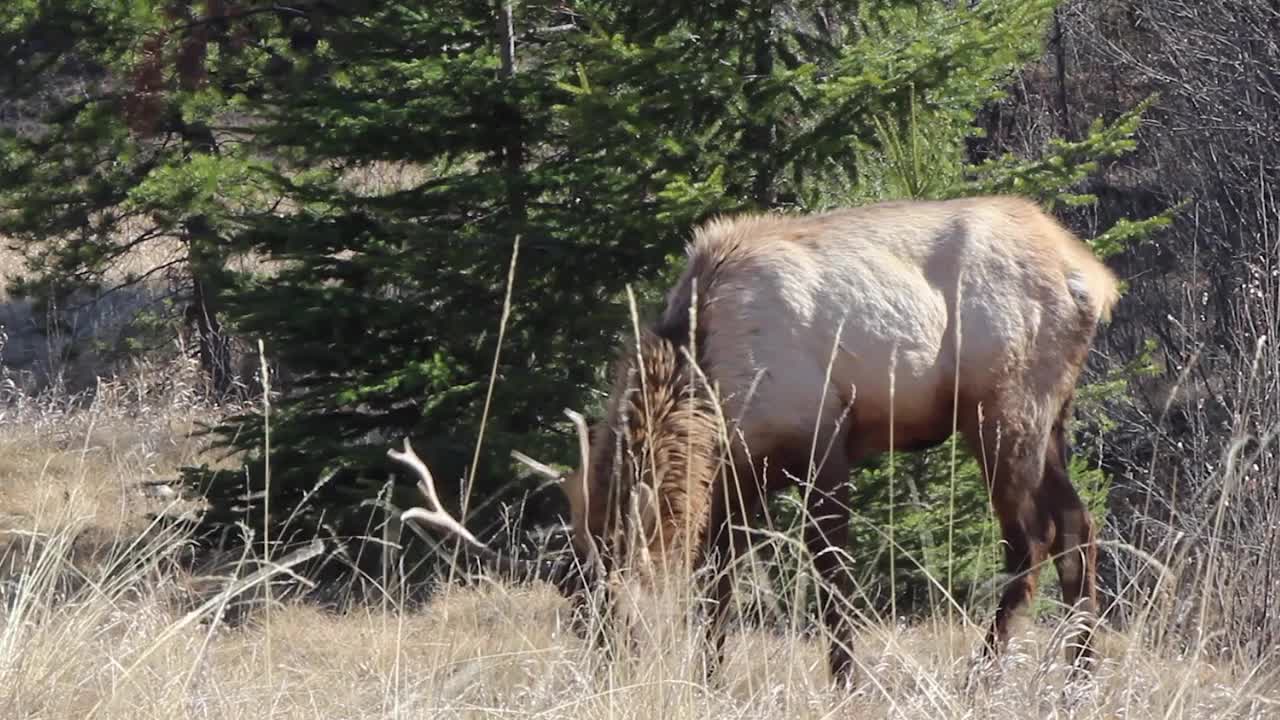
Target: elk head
<point>590,526</point>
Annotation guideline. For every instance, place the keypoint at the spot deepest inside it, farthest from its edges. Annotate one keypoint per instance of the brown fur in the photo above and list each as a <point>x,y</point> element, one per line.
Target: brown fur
<point>766,289</point>
<point>662,412</point>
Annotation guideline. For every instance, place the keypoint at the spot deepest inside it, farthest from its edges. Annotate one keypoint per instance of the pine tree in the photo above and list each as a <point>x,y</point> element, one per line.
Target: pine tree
<point>380,160</point>
<point>130,166</point>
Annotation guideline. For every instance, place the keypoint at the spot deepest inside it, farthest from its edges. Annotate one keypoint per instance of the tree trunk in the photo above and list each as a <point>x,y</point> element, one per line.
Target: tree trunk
<point>1060,59</point>
<point>203,263</point>
<point>513,146</point>
<point>760,138</point>
<point>213,346</point>
<point>506,31</point>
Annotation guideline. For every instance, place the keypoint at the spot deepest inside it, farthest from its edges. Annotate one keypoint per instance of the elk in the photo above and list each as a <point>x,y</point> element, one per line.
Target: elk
<point>794,347</point>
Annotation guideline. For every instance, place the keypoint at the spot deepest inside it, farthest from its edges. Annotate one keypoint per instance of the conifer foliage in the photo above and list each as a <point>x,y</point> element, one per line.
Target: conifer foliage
<point>377,162</point>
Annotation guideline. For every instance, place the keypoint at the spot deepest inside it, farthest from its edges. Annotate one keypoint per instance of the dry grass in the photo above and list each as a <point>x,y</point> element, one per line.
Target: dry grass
<point>96,621</point>
<point>98,618</point>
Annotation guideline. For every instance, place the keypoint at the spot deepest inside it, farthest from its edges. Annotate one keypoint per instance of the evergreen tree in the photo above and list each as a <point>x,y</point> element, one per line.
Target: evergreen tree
<point>131,166</point>
<point>380,159</point>
<point>598,146</point>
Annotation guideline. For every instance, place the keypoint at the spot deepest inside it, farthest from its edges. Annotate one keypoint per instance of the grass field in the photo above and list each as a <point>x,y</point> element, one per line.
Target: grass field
<point>99,619</point>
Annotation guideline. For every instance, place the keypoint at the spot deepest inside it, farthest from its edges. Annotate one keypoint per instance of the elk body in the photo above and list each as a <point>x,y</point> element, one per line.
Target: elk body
<point>792,348</point>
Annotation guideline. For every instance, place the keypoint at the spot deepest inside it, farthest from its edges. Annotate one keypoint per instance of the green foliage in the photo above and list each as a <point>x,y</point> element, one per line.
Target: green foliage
<point>378,301</point>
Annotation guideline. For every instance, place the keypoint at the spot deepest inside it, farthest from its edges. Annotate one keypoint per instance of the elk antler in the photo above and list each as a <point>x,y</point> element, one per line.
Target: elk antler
<point>558,572</point>
<point>584,474</point>
<point>541,468</point>
<point>584,452</point>
<point>580,492</point>
<point>584,446</point>
<point>435,516</point>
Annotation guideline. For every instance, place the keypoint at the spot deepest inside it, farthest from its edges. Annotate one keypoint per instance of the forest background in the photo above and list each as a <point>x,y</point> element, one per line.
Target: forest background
<point>302,232</point>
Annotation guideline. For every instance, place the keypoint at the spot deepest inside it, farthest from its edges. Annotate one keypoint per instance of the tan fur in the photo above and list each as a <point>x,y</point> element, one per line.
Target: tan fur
<point>770,271</point>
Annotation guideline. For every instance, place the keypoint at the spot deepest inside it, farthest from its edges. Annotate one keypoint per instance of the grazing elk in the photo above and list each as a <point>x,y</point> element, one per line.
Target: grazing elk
<point>805,345</point>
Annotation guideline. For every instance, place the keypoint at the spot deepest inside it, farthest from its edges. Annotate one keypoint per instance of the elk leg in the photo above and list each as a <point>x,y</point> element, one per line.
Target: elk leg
<point>1014,484</point>
<point>1024,552</point>
<point>1074,550</point>
<point>729,541</point>
<point>721,594</point>
<point>827,537</point>
<point>593,616</point>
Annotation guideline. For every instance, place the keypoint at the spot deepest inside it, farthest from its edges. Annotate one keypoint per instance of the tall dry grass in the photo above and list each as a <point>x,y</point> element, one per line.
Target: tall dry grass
<point>102,617</point>
<point>112,634</point>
